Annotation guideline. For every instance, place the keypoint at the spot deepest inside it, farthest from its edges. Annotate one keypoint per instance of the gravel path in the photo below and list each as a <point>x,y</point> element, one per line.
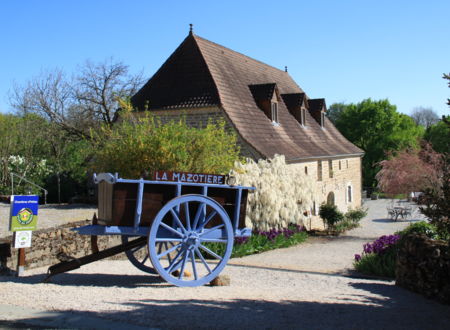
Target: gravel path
<point>301,287</point>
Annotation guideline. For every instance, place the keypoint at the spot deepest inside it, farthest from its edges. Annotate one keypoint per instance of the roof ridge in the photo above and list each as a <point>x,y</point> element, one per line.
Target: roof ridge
<point>236,52</point>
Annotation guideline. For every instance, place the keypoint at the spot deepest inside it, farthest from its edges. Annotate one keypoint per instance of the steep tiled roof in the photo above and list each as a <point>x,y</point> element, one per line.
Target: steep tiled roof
<point>202,73</point>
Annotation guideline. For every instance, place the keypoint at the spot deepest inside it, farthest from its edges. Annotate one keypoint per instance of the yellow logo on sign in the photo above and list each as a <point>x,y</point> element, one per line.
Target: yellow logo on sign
<point>25,216</point>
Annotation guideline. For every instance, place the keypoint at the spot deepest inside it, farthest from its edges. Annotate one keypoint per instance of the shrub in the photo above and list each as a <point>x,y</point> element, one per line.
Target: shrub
<point>421,227</point>
<point>378,257</point>
<point>330,214</point>
<point>284,193</point>
<point>143,144</point>
<point>261,241</point>
<point>356,215</point>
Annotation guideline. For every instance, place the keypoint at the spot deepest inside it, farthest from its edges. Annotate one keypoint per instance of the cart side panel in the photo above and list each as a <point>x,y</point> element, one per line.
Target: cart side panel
<point>105,193</point>
<point>122,203</point>
<point>227,198</point>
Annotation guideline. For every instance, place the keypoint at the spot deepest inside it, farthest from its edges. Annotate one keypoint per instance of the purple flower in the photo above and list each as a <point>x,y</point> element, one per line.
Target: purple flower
<point>357,257</point>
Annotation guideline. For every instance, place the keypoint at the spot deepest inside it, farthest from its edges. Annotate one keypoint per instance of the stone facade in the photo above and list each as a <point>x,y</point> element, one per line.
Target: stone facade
<point>423,266</point>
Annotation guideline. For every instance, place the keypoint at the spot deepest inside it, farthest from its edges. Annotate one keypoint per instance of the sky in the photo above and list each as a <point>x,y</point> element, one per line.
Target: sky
<point>343,51</point>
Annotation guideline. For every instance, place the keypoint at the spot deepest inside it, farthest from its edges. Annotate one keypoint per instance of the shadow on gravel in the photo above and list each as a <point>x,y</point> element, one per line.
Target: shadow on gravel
<point>97,280</point>
<point>391,221</point>
<point>393,310</point>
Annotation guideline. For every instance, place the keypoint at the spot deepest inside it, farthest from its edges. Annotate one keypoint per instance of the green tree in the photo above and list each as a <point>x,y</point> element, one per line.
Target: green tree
<point>335,111</point>
<point>143,144</point>
<point>437,135</point>
<point>377,128</point>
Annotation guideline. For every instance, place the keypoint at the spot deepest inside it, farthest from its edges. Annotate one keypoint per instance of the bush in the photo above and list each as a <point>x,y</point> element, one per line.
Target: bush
<point>356,215</point>
<point>330,214</point>
<point>284,193</point>
<point>421,227</point>
<point>378,257</point>
<point>145,144</point>
<point>261,241</point>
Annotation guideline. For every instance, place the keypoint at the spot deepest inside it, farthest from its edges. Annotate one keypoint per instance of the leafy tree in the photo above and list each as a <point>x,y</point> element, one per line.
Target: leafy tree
<point>424,116</point>
<point>437,135</point>
<point>140,144</point>
<point>377,128</point>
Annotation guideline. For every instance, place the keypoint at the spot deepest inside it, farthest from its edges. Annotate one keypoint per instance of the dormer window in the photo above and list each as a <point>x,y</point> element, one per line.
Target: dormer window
<point>267,97</point>
<point>303,116</point>
<point>322,119</point>
<point>274,112</point>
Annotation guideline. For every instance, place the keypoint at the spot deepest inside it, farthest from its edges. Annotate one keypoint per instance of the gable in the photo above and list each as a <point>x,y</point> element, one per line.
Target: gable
<point>183,81</point>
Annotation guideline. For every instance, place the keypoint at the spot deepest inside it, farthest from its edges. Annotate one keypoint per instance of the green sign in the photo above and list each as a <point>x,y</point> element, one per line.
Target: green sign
<point>24,213</point>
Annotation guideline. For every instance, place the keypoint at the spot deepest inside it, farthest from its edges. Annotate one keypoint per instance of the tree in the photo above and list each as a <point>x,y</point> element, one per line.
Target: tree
<point>334,111</point>
<point>143,144</point>
<point>437,135</point>
<point>377,128</point>
<point>409,170</point>
<point>80,103</point>
<point>447,76</point>
<point>424,116</point>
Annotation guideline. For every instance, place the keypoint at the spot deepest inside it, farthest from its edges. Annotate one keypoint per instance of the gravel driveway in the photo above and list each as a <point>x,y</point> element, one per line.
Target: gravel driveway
<point>303,287</point>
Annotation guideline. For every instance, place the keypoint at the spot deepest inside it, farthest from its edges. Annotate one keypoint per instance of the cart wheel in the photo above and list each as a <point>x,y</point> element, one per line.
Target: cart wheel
<point>191,223</point>
<point>139,256</point>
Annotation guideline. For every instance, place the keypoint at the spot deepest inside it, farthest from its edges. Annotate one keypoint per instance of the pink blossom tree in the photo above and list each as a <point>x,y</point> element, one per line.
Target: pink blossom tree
<point>409,170</point>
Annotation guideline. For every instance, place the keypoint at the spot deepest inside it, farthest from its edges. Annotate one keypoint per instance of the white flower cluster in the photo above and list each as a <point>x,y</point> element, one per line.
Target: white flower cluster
<point>283,196</point>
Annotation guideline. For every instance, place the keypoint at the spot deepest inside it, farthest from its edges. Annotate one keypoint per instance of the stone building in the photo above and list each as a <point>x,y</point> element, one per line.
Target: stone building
<point>270,113</point>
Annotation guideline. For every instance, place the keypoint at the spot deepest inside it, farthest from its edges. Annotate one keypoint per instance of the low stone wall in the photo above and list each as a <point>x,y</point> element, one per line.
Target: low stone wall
<point>48,243</point>
<point>423,266</point>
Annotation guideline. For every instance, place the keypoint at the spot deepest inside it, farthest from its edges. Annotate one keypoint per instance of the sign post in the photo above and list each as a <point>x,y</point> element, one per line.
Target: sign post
<point>23,220</point>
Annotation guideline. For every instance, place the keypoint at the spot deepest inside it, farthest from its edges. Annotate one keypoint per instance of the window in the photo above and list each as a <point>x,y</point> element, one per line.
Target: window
<point>314,209</point>
<point>349,194</point>
<point>330,168</point>
<point>306,170</point>
<point>274,112</point>
<point>339,165</point>
<point>319,170</point>
<point>303,116</point>
<point>347,162</point>
<point>322,119</point>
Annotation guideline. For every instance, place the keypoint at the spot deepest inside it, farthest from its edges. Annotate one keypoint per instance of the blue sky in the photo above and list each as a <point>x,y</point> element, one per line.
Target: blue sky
<point>344,51</point>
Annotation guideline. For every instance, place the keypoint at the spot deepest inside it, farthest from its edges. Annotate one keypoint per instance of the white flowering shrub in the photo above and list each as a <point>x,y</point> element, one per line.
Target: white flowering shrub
<point>34,170</point>
<point>283,196</point>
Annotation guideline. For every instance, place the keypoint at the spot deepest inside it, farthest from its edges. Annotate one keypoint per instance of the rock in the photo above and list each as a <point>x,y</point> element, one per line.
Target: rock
<point>221,280</point>
<point>185,273</point>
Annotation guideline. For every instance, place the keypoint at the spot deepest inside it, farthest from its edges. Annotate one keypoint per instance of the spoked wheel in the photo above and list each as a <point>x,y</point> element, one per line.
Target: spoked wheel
<point>139,256</point>
<point>191,224</point>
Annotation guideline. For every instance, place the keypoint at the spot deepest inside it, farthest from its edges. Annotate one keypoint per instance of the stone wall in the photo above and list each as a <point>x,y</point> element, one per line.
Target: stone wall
<point>423,266</point>
<point>48,243</point>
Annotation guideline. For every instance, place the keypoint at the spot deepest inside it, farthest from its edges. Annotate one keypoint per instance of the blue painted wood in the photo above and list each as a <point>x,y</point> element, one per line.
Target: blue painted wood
<point>138,213</point>
<point>193,237</point>
<point>111,230</point>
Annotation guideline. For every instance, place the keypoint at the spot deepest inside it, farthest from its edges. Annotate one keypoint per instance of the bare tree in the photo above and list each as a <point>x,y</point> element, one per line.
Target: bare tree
<point>424,116</point>
<point>79,103</point>
<point>99,86</point>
